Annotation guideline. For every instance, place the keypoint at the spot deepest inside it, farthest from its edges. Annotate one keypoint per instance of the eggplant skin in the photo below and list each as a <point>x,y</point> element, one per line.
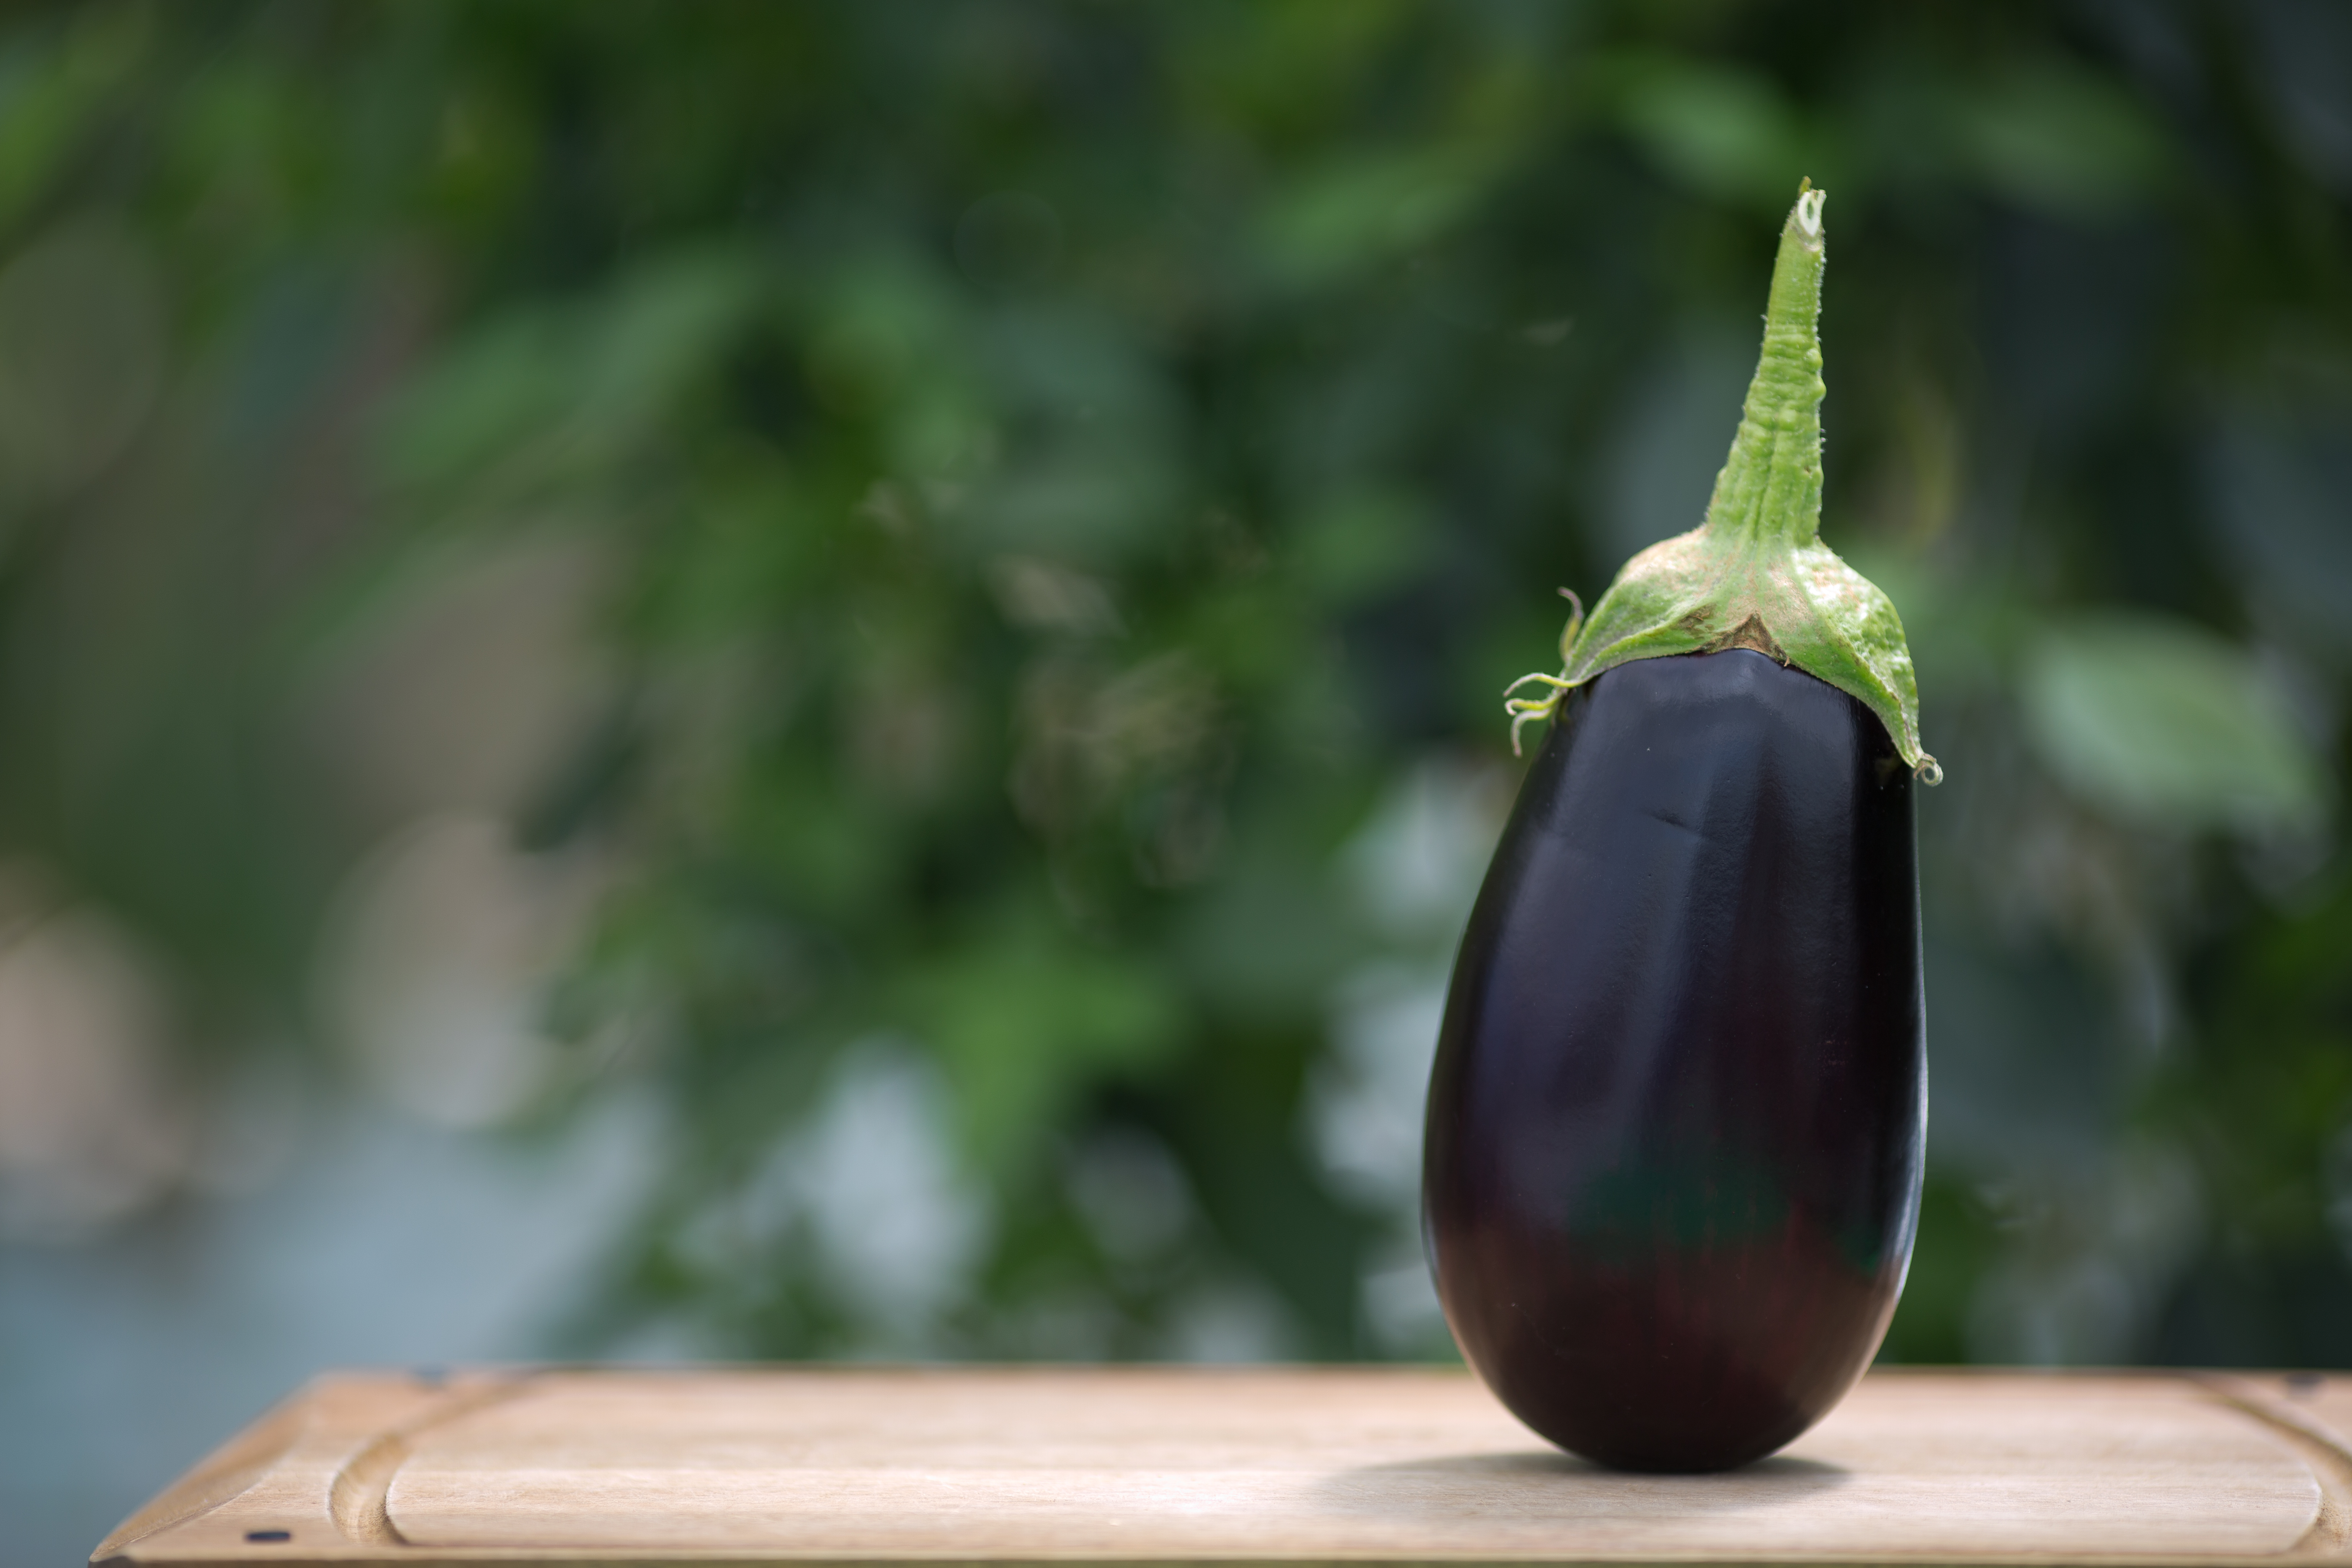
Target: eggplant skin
<point>1672,1166</point>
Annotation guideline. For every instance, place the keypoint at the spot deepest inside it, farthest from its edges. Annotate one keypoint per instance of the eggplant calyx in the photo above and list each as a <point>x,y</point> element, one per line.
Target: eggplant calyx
<point>1755,573</point>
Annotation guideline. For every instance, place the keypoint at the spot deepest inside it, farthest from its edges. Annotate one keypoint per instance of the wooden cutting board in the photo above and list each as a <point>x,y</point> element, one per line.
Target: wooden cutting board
<point>1295,1465</point>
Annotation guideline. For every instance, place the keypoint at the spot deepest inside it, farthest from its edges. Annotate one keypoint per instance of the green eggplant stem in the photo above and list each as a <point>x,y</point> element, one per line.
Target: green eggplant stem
<point>1755,573</point>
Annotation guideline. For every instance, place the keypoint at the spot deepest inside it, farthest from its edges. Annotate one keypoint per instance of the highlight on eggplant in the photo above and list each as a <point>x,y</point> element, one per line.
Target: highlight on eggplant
<point>1675,1125</point>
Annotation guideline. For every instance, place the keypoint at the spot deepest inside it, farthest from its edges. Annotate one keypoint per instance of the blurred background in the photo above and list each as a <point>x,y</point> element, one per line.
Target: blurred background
<point>826,681</point>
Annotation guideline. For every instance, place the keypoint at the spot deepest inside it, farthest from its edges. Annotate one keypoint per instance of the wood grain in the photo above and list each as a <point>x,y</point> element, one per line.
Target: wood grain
<point>1295,1465</point>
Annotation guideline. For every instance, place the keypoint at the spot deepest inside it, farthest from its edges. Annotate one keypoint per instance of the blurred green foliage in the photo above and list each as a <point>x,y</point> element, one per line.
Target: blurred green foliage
<point>1067,484</point>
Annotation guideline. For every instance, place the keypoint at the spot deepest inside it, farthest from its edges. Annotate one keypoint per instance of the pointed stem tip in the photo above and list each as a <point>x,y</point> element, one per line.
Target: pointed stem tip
<point>1808,208</point>
<point>1770,489</point>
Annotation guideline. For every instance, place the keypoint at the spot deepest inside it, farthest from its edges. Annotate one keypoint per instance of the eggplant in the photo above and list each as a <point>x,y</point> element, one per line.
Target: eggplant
<point>1677,1118</point>
<point>1672,1163</point>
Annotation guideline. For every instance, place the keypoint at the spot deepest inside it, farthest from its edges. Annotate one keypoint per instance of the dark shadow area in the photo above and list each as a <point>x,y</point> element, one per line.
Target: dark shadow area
<point>1539,1481</point>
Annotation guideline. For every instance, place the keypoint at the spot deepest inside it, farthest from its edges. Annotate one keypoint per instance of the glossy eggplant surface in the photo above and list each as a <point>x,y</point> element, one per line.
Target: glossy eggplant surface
<point>1672,1157</point>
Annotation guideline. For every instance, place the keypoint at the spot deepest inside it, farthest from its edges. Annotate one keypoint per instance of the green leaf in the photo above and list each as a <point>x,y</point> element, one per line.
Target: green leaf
<point>1367,207</point>
<point>667,323</point>
<point>1024,1021</point>
<point>2162,722</point>
<point>1360,543</point>
<point>2062,140</point>
<point>1728,132</point>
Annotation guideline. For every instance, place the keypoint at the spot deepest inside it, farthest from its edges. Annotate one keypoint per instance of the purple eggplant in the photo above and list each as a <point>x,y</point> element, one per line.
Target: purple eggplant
<point>1675,1131</point>
<point>1674,1149</point>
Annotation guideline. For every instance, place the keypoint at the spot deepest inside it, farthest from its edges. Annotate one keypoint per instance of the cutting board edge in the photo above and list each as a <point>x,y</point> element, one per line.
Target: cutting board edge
<point>179,1527</point>
<point>398,1556</point>
<point>2320,1447</point>
<point>313,1438</point>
